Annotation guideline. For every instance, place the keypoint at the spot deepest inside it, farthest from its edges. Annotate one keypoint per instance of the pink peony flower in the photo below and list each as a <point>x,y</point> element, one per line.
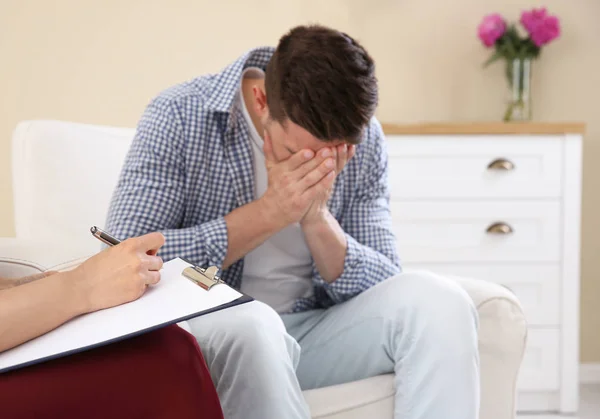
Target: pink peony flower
<point>542,28</point>
<point>491,28</point>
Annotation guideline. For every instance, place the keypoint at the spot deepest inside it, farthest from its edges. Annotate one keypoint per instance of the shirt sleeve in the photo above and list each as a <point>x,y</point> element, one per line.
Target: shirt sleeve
<point>150,194</point>
<point>371,254</point>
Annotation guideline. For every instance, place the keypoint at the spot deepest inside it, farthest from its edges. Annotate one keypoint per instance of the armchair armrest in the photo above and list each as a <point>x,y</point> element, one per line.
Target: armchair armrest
<point>23,257</point>
<point>502,340</point>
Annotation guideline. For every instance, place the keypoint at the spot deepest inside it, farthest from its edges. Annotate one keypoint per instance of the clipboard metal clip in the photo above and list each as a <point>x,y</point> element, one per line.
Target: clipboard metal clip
<point>206,278</point>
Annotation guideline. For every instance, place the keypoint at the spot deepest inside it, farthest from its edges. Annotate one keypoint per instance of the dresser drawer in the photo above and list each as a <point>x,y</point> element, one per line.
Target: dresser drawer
<point>474,166</point>
<point>536,286</point>
<point>518,231</point>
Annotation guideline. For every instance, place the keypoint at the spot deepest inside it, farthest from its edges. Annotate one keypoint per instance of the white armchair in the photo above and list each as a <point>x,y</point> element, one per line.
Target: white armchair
<point>63,177</point>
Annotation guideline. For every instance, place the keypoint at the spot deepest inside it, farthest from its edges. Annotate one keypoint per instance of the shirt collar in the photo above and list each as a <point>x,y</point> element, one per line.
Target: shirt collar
<point>227,82</point>
<point>254,135</point>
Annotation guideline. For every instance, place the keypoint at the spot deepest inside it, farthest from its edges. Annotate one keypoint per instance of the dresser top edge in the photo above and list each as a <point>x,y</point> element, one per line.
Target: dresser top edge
<point>484,128</point>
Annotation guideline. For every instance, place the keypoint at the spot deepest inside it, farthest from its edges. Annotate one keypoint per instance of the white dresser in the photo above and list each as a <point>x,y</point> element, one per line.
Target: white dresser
<point>501,202</point>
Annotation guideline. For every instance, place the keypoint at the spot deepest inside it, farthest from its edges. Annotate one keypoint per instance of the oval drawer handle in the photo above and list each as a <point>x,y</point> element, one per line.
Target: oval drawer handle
<point>499,228</point>
<point>501,164</point>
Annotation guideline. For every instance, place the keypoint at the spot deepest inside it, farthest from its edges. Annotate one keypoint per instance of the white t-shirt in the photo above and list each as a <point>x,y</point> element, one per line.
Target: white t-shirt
<point>278,271</point>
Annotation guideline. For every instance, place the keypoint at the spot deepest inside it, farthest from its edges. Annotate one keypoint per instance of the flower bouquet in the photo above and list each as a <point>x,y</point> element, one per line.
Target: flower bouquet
<point>518,51</point>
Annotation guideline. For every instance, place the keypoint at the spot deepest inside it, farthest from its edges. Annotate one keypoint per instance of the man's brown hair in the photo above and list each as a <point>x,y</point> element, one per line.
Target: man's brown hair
<point>324,81</point>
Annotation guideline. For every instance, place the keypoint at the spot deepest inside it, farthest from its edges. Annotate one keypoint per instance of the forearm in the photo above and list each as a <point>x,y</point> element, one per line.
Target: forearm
<point>32,309</point>
<point>6,283</point>
<point>219,242</point>
<point>364,267</point>
<point>327,243</point>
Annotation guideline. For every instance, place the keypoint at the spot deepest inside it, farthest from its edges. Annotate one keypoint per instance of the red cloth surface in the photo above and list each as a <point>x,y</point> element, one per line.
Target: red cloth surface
<point>158,375</point>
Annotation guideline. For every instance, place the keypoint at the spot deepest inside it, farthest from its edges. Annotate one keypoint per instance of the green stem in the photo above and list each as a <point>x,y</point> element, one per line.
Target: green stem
<point>509,112</point>
<point>516,83</point>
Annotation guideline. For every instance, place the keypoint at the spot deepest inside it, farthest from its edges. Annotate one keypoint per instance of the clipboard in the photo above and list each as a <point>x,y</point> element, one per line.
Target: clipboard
<point>193,288</point>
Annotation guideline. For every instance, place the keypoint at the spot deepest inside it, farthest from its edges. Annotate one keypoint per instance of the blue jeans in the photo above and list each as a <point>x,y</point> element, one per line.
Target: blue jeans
<point>420,326</point>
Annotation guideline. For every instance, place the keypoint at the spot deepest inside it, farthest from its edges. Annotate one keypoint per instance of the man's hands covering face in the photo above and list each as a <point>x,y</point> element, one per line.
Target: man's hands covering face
<point>300,186</point>
<point>341,154</point>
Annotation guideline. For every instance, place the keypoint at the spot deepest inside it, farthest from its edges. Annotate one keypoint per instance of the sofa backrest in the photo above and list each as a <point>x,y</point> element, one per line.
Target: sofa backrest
<point>64,175</point>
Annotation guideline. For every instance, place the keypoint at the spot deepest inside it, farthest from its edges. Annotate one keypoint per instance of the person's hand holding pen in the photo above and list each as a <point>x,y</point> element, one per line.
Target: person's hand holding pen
<point>35,305</point>
<point>119,274</point>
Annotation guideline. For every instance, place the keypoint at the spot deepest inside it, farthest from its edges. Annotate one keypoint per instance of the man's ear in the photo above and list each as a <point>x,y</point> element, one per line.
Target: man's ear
<point>260,101</point>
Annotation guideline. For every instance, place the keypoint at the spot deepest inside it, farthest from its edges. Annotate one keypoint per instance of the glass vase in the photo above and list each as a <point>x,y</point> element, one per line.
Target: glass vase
<point>518,74</point>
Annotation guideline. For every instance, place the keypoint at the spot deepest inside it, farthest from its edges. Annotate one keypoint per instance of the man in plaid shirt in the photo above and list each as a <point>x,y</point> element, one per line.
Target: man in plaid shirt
<point>275,171</point>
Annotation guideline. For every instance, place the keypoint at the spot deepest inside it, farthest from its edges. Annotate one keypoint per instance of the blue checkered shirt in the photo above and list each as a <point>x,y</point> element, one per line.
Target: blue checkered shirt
<point>190,164</point>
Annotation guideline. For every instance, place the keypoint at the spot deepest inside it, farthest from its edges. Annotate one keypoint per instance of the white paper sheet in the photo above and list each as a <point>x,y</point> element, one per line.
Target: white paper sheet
<point>174,297</point>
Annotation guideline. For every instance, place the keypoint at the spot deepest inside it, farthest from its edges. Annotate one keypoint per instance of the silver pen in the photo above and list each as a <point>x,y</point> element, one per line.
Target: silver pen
<point>104,237</point>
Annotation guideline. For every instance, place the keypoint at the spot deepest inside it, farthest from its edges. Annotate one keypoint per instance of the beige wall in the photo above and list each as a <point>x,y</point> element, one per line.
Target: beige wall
<point>100,62</point>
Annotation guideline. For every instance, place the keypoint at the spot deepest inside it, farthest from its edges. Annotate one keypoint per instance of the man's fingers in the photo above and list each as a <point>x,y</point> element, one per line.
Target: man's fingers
<point>323,184</point>
<point>342,153</point>
<point>336,158</point>
<point>325,168</point>
<point>298,159</point>
<point>327,181</point>
<point>351,151</point>
<point>151,242</point>
<point>310,165</point>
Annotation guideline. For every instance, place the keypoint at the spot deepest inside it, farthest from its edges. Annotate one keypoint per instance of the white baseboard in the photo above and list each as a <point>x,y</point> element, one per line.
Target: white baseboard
<point>589,373</point>
<point>546,417</point>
